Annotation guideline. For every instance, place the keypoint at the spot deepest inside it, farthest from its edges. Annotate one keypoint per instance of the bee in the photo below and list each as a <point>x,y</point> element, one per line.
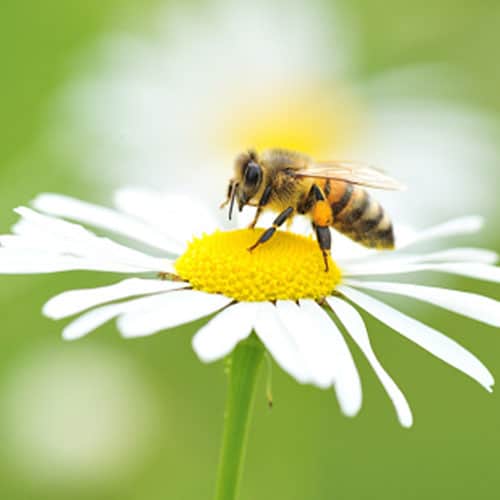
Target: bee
<point>330,193</point>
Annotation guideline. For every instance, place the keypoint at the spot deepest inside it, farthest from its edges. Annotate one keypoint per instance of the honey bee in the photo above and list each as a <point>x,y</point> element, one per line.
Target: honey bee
<point>330,193</point>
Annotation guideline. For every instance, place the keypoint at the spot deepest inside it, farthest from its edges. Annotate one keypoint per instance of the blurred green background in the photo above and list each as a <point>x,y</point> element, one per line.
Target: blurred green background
<point>149,405</point>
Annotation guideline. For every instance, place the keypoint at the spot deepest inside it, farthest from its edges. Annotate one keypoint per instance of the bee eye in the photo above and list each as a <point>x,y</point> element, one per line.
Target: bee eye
<point>253,174</point>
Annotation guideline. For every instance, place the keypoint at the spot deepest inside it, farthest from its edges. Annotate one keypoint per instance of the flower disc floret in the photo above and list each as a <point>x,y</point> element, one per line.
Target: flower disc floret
<point>288,267</point>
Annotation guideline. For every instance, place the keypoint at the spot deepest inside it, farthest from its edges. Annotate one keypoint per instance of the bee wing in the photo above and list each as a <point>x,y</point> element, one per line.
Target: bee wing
<point>352,172</point>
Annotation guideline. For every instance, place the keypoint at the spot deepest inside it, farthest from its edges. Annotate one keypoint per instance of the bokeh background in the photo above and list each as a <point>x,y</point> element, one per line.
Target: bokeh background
<point>84,87</point>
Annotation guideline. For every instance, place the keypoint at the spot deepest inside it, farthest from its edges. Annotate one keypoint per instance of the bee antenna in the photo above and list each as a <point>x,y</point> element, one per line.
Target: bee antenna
<point>233,196</point>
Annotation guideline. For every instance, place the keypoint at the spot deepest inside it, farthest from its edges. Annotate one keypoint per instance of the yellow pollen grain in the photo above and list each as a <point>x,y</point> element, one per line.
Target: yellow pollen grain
<point>288,267</point>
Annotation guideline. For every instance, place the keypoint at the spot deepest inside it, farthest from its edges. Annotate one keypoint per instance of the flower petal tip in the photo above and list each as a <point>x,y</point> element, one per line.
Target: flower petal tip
<point>200,351</point>
<point>19,210</point>
<point>127,333</point>
<point>40,198</point>
<point>407,424</point>
<point>473,223</point>
<point>49,311</point>
<point>489,382</point>
<point>69,335</point>
<point>351,412</point>
<point>320,384</point>
<point>67,338</point>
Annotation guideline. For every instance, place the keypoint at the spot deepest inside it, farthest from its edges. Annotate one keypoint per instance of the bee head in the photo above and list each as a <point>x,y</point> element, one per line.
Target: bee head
<point>247,180</point>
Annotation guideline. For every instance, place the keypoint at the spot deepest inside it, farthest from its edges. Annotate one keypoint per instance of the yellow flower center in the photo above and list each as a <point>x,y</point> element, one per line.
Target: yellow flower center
<point>288,266</point>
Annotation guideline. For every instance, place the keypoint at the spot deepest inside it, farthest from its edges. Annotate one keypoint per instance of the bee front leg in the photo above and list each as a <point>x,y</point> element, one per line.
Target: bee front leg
<point>262,203</point>
<point>268,233</point>
<point>258,212</point>
<point>228,196</point>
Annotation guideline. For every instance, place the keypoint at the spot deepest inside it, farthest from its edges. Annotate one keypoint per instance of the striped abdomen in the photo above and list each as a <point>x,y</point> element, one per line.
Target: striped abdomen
<point>358,216</point>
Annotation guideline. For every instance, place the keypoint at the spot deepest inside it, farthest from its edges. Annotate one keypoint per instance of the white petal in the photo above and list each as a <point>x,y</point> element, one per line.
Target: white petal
<point>280,343</point>
<point>91,321</point>
<point>463,225</point>
<point>474,255</point>
<point>314,344</point>
<point>96,317</point>
<point>179,217</point>
<point>221,334</point>
<point>429,339</point>
<point>347,382</point>
<point>19,261</point>
<point>476,271</point>
<point>105,218</point>
<point>467,304</point>
<point>33,243</point>
<point>471,270</point>
<point>355,325</point>
<point>169,310</point>
<point>75,301</point>
<point>145,204</point>
<point>478,255</point>
<point>69,238</point>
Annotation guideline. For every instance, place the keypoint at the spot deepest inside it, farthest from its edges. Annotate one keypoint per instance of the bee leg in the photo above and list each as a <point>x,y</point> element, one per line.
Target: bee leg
<point>168,276</point>
<point>262,203</point>
<point>255,218</point>
<point>228,196</point>
<point>324,238</point>
<point>322,218</point>
<point>267,234</point>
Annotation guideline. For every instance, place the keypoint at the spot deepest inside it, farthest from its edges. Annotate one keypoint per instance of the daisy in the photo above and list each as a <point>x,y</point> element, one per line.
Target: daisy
<point>230,75</point>
<point>299,312</point>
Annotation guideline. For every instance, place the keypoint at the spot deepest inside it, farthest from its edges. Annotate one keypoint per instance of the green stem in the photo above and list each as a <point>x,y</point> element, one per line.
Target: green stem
<point>243,369</point>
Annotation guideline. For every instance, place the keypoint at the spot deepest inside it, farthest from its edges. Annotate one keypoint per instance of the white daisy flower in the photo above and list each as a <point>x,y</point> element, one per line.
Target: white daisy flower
<point>281,292</point>
<point>205,83</point>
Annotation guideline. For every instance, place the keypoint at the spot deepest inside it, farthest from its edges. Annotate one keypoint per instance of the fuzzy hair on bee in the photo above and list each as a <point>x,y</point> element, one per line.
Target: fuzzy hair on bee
<point>330,193</point>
